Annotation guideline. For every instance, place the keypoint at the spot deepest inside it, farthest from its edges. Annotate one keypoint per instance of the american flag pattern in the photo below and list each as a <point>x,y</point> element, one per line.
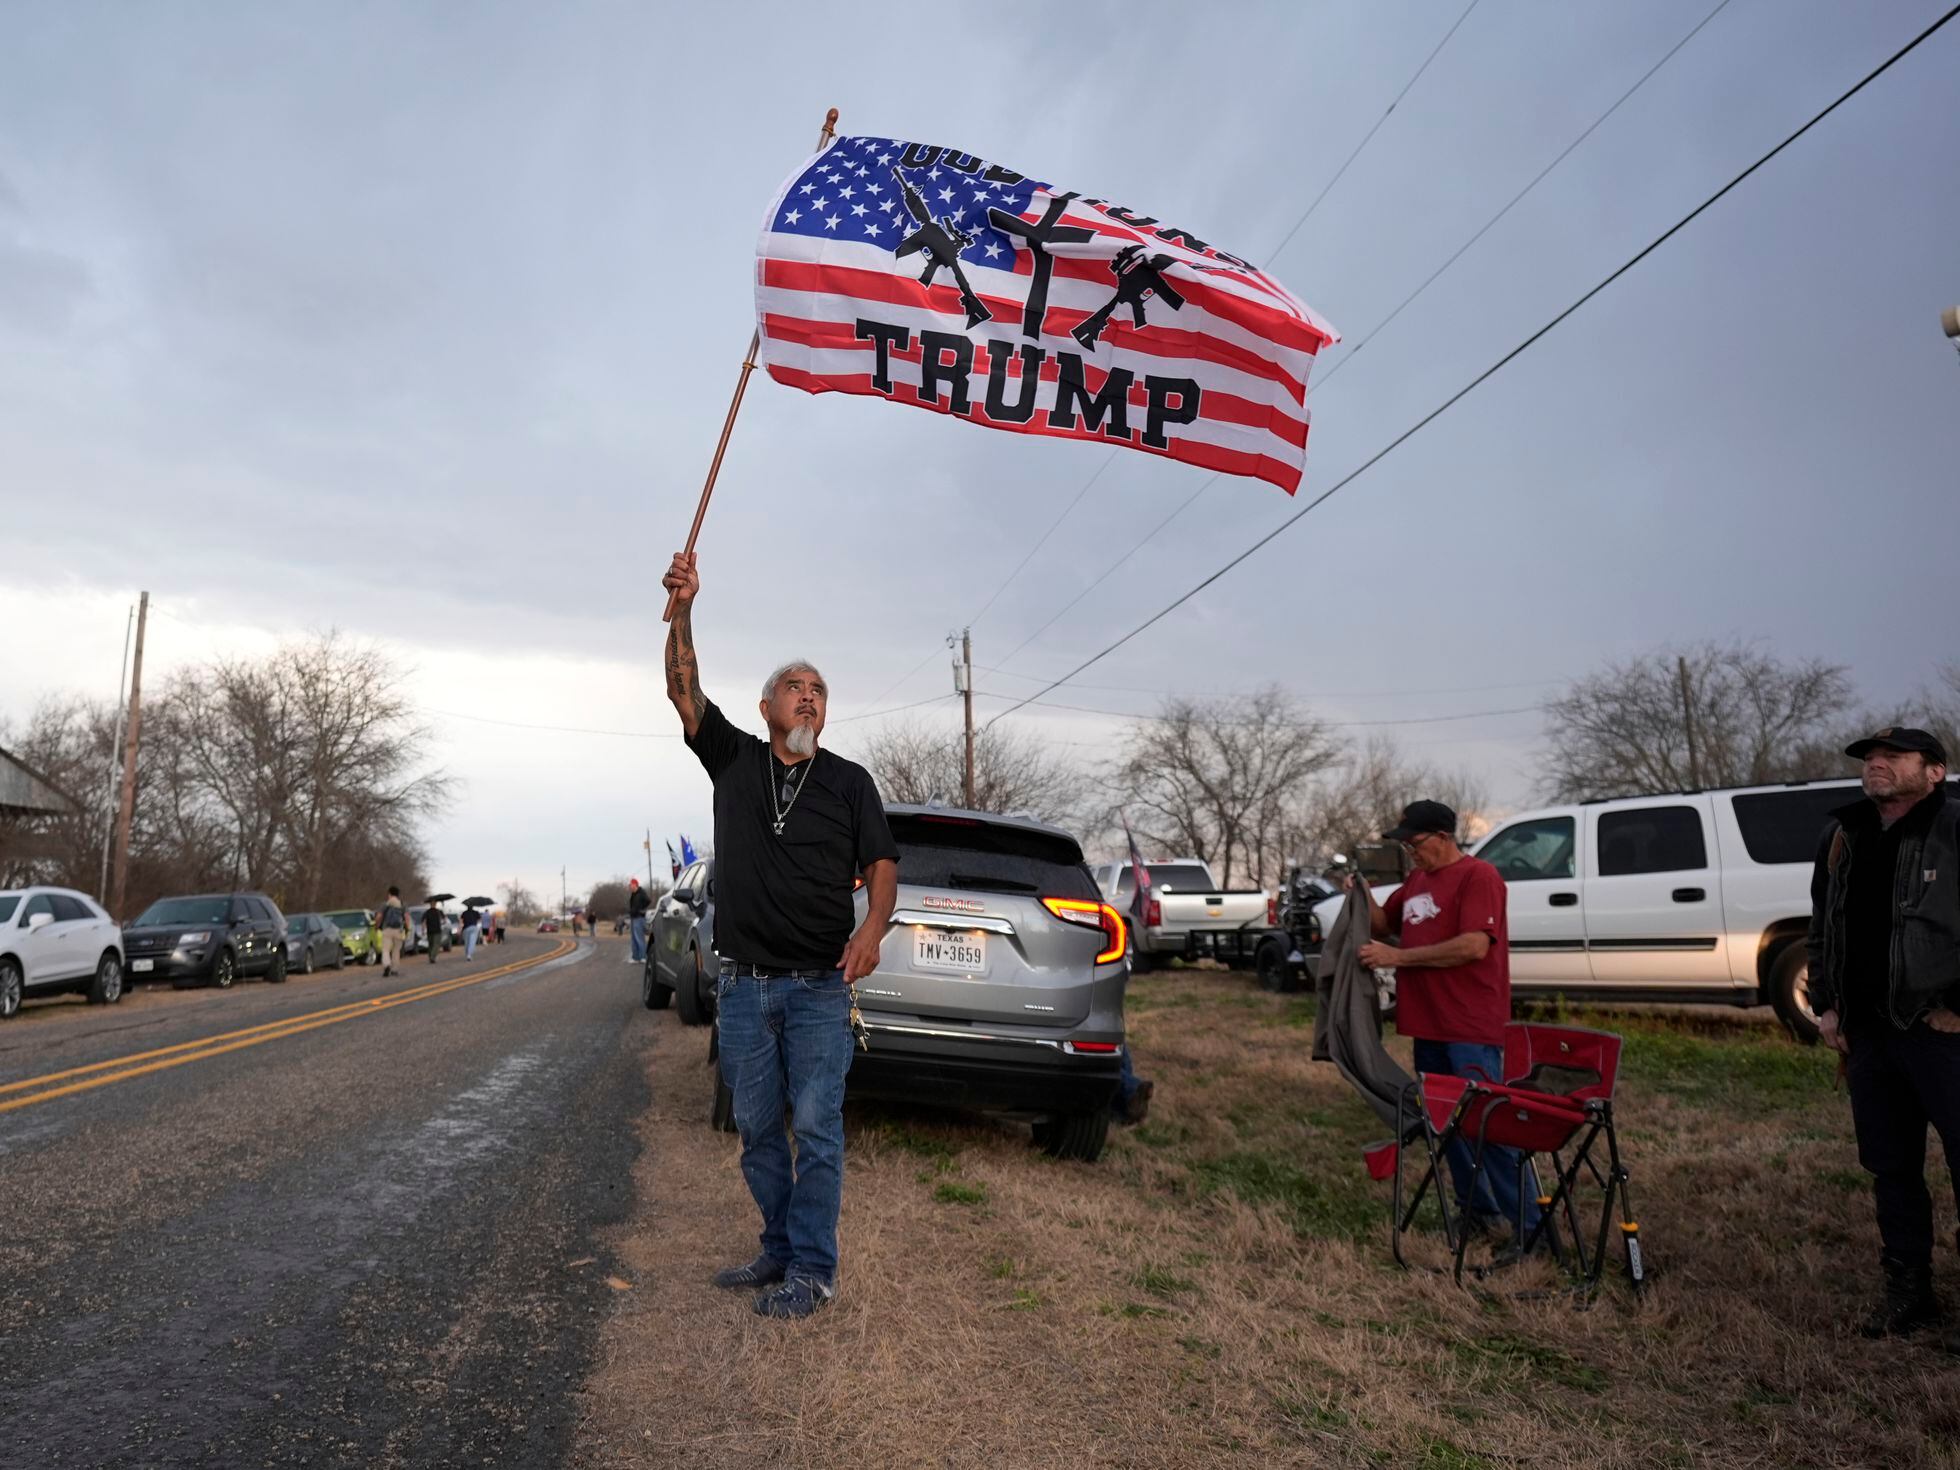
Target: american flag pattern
<point>932,277</point>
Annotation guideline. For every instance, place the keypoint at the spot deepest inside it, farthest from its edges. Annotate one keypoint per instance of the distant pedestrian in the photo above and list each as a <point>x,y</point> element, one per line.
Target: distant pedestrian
<point>795,827</point>
<point>393,923</point>
<point>500,926</point>
<point>1453,995</point>
<point>637,904</point>
<point>432,930</point>
<point>1885,987</point>
<point>472,924</point>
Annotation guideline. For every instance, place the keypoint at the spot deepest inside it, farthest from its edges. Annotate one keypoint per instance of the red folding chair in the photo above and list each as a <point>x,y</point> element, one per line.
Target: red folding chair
<point>1556,1099</point>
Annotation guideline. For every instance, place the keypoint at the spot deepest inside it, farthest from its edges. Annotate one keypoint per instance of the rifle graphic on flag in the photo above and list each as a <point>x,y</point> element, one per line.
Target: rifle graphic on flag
<point>1026,329</point>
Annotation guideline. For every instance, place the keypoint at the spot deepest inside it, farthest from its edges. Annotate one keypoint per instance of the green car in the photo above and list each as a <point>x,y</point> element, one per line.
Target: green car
<point>359,940</point>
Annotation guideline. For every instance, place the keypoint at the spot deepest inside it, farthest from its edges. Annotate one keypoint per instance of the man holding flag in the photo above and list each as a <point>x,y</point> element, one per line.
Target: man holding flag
<point>795,827</point>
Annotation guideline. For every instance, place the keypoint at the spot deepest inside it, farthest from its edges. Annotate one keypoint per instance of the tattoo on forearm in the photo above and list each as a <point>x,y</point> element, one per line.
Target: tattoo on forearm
<point>683,672</point>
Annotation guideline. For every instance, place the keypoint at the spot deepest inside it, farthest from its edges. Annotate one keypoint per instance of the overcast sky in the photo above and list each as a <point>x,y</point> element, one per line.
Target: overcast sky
<point>420,321</point>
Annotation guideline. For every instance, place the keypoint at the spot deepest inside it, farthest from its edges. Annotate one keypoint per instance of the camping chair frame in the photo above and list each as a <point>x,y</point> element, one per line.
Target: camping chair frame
<point>1564,1120</point>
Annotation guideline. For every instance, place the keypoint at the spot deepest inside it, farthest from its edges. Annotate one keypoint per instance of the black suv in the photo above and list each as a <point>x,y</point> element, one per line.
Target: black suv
<point>209,938</point>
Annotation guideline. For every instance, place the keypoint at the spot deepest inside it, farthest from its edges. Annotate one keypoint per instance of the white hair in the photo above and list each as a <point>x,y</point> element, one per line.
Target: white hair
<point>794,666</point>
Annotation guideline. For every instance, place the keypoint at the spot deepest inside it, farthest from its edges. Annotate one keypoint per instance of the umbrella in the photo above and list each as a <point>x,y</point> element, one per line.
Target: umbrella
<point>439,898</point>
<point>473,902</point>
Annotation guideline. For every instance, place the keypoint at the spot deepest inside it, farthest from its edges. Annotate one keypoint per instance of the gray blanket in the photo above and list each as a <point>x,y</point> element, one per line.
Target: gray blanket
<point>1347,1028</point>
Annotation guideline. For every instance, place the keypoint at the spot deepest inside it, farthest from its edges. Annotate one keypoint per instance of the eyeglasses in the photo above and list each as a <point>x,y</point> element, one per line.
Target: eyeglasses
<point>1411,844</point>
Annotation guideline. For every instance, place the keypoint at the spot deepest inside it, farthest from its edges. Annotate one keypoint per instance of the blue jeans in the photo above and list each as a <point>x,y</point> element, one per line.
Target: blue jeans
<point>1497,1186</point>
<point>786,1046</point>
<point>639,938</point>
<point>470,932</point>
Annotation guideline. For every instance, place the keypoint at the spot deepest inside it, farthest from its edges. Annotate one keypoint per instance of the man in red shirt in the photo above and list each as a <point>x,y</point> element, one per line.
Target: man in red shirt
<point>1453,988</point>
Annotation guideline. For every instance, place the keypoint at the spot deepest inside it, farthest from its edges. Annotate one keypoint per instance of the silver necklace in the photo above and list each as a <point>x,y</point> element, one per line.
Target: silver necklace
<point>769,776</point>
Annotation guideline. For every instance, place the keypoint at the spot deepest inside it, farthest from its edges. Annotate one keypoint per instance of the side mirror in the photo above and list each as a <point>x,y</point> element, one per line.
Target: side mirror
<point>683,895</point>
<point>38,921</point>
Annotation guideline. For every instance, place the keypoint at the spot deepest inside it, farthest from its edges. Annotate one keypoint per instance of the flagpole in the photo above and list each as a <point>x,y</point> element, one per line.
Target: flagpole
<point>824,140</point>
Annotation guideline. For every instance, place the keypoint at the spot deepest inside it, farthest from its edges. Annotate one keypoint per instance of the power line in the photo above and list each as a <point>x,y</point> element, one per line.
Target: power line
<point>1123,714</point>
<point>1370,135</point>
<point>874,713</point>
<point>1348,357</point>
<point>1361,342</point>
<point>1484,376</point>
<point>1067,510</point>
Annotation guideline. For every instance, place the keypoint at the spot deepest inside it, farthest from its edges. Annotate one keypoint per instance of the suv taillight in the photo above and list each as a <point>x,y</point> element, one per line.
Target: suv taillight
<point>1093,916</point>
<point>1153,914</point>
<point>1272,911</point>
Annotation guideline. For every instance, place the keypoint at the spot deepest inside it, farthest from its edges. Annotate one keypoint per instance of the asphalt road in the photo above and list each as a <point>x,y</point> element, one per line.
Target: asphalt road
<point>346,1221</point>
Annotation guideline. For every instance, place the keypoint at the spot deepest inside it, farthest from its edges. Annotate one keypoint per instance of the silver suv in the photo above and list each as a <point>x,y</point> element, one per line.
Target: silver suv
<point>1000,983</point>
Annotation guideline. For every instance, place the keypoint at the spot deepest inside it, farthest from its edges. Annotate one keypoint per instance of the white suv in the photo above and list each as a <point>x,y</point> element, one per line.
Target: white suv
<point>55,939</point>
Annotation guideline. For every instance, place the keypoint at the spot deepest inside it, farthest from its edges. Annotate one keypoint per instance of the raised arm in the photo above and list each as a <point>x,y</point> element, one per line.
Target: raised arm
<point>683,673</point>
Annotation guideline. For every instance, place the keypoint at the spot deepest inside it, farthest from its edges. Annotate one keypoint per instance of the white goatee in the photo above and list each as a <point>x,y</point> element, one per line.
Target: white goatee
<point>801,740</point>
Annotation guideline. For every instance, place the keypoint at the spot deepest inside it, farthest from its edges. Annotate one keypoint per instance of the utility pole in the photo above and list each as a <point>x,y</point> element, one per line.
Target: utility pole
<point>648,845</point>
<point>1688,723</point>
<point>115,754</point>
<point>963,684</point>
<point>564,902</point>
<point>127,810</point>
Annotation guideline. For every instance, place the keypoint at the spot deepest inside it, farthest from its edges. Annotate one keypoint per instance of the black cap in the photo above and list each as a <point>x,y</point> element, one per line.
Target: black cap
<point>1423,816</point>
<point>1898,737</point>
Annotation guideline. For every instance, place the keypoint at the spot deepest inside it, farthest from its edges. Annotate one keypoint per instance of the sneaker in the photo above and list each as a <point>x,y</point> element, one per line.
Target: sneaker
<point>760,1272</point>
<point>798,1297</point>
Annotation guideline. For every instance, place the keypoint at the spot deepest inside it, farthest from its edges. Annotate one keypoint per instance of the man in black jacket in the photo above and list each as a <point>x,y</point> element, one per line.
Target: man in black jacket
<point>1885,983</point>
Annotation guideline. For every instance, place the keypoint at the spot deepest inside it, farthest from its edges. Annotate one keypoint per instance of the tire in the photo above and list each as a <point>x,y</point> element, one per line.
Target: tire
<point>224,970</point>
<point>275,973</point>
<point>1789,990</point>
<point>653,994</point>
<point>372,957</point>
<point>305,964</point>
<point>107,987</point>
<point>1073,1135</point>
<point>12,989</point>
<point>1275,974</point>
<point>339,957</point>
<point>687,994</point>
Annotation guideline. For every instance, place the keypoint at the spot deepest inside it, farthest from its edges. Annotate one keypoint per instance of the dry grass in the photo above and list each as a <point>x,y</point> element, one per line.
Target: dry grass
<point>1218,1291</point>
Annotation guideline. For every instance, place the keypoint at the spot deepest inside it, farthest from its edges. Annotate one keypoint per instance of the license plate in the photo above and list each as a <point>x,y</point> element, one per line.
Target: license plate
<point>142,964</point>
<point>956,954</point>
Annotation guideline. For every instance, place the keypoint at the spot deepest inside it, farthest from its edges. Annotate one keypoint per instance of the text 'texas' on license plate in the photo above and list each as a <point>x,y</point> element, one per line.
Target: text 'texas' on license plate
<point>954,954</point>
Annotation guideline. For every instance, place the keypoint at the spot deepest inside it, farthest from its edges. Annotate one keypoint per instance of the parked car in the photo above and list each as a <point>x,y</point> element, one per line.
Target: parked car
<point>208,938</point>
<point>312,940</point>
<point>1000,981</point>
<point>1188,915</point>
<point>360,941</point>
<point>55,940</point>
<point>1687,896</point>
<point>550,926</point>
<point>681,964</point>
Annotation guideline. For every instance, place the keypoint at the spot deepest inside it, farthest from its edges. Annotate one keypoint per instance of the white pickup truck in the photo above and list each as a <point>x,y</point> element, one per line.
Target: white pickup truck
<point>1700,896</point>
<point>1190,916</point>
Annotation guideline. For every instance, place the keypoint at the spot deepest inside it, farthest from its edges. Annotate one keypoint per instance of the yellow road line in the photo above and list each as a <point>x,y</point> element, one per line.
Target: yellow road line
<point>120,1069</point>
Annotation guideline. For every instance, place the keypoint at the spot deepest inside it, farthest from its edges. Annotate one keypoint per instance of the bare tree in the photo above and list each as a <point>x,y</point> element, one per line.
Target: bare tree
<point>1013,771</point>
<point>1215,778</point>
<point>1362,797</point>
<point>521,906</point>
<point>1670,720</point>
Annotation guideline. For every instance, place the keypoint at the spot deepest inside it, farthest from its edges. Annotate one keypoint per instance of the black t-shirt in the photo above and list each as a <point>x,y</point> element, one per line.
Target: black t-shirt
<point>785,900</point>
<point>1870,909</point>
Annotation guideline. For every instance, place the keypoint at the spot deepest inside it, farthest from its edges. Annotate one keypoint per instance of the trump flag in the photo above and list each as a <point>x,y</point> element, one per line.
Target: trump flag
<point>932,277</point>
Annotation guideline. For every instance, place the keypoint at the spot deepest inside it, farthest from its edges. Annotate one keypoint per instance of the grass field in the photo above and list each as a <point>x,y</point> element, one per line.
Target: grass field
<point>1218,1290</point>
